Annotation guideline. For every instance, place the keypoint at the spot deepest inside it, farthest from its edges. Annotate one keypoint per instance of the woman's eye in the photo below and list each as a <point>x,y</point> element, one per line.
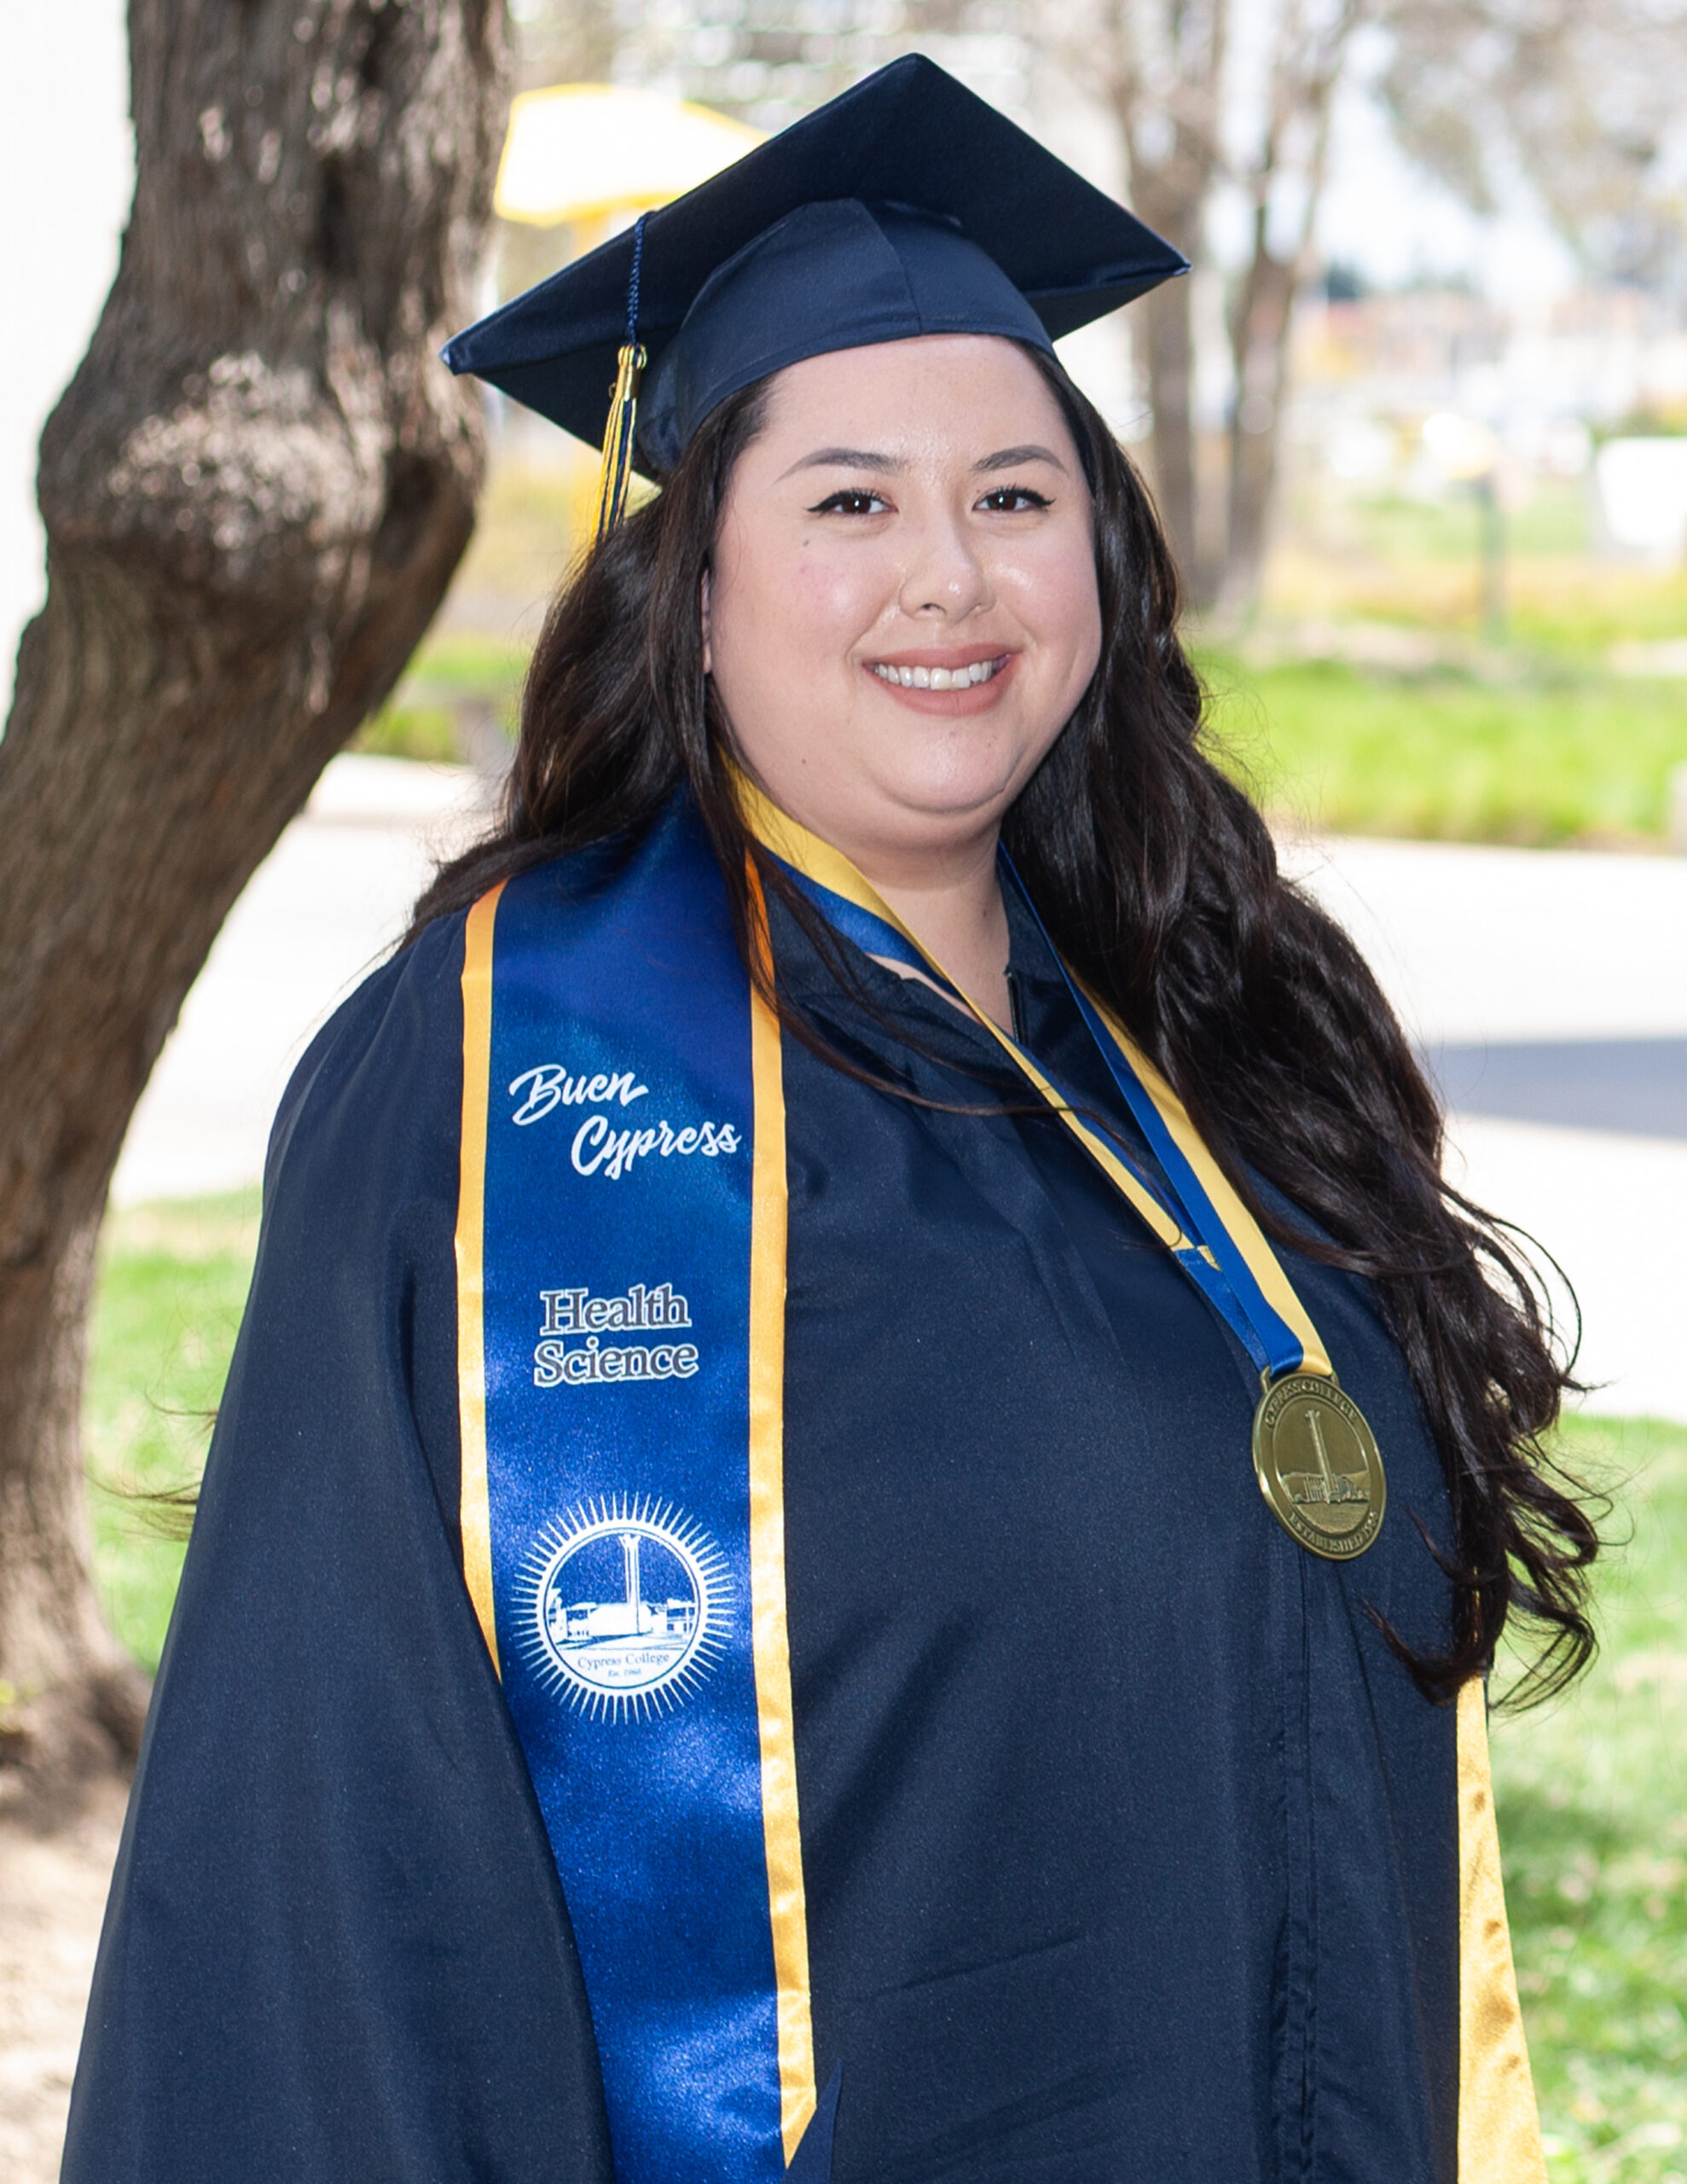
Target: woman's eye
<point>1013,499</point>
<point>852,500</point>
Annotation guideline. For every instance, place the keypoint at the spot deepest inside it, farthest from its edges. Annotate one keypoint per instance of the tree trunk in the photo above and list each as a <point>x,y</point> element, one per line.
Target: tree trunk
<point>1167,333</point>
<point>1310,52</point>
<point>255,490</point>
<point>1171,192</point>
<point>1259,329</point>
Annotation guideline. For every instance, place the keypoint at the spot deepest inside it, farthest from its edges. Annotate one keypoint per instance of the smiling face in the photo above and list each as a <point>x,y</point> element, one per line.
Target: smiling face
<point>902,610</point>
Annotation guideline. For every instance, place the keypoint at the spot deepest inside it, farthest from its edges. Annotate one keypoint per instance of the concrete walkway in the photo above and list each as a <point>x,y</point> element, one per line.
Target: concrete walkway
<point>1548,989</point>
<point>319,913</point>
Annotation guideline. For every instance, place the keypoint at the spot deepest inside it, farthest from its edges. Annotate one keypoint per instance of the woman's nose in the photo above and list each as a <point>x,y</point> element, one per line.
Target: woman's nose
<point>943,575</point>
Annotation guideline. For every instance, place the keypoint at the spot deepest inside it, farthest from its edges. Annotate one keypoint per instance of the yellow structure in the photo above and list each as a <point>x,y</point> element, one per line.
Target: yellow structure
<point>585,153</point>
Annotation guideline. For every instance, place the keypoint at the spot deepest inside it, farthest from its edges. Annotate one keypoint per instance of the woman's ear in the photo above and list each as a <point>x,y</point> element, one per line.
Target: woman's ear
<point>703,599</point>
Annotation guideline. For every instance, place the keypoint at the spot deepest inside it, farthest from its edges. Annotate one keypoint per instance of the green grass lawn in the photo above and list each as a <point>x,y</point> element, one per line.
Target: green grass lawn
<point>1534,741</point>
<point>1592,1800</point>
<point>1592,1792</point>
<point>451,670</point>
<point>1389,559</point>
<point>1552,756</point>
<point>172,1286</point>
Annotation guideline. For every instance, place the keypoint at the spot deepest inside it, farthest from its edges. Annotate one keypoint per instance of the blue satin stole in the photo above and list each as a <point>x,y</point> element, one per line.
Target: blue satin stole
<point>621,1269</point>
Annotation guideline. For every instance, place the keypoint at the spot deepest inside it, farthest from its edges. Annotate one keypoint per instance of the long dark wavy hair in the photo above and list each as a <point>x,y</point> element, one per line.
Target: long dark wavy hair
<point>1159,884</point>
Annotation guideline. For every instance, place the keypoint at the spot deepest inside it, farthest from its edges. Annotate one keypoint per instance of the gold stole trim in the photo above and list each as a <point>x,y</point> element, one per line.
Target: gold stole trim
<point>1498,2127</point>
<point>475,1512</point>
<point>787,1899</point>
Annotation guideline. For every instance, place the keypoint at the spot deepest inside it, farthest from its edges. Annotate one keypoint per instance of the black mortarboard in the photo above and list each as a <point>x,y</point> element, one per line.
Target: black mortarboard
<point>906,206</point>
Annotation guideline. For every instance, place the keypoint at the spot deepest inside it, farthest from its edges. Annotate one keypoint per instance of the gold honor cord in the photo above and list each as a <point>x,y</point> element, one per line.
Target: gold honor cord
<point>1315,1457</point>
<point>474,1505</point>
<point>1498,2125</point>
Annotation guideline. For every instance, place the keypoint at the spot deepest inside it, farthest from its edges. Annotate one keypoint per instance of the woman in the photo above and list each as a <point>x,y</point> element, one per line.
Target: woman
<point>732,1622</point>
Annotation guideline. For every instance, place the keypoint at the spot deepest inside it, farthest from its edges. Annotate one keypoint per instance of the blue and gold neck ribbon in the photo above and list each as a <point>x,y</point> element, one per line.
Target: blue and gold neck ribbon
<point>1196,1214</point>
<point>620,1299</point>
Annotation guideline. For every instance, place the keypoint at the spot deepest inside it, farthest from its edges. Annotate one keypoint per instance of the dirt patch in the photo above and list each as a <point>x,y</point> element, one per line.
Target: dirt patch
<point>52,1899</point>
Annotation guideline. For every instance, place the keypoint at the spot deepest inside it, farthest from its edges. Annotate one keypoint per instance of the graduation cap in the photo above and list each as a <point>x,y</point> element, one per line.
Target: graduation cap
<point>906,207</point>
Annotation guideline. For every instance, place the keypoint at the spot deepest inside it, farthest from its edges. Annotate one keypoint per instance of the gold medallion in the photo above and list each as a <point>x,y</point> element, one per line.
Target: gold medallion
<point>1319,1467</point>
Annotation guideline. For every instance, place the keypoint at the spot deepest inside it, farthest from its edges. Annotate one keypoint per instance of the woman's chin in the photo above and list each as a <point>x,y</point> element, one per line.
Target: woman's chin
<point>921,785</point>
<point>912,802</point>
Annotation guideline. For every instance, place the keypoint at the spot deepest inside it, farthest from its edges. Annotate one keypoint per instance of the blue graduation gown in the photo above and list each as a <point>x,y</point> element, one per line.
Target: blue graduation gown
<point>1131,1850</point>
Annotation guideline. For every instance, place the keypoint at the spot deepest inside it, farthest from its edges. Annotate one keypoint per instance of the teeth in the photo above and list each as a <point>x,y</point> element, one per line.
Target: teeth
<point>938,678</point>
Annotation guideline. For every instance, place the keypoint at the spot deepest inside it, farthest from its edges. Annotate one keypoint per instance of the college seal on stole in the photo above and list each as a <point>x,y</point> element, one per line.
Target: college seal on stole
<point>627,1601</point>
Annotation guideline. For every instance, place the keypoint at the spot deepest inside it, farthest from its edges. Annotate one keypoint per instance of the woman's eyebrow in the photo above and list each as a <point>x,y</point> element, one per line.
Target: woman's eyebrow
<point>859,458</point>
<point>846,458</point>
<point>1010,458</point>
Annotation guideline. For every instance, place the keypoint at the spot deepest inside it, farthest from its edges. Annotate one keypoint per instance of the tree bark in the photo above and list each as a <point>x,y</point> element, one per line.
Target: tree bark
<point>255,490</point>
<point>1166,331</point>
<point>1260,323</point>
<point>1310,52</point>
<point>1160,67</point>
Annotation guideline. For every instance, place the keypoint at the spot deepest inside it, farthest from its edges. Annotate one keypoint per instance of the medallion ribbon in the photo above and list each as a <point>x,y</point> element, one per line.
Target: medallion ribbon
<point>1314,1456</point>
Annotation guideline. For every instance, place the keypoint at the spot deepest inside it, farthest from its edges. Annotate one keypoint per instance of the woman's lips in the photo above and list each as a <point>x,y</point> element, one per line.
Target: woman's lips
<point>966,681</point>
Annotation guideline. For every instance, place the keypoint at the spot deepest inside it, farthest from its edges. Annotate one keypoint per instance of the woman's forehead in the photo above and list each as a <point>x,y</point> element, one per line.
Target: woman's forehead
<point>895,397</point>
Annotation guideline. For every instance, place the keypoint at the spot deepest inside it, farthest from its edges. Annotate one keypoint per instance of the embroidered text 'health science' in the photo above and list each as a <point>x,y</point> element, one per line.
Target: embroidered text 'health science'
<point>577,1313</point>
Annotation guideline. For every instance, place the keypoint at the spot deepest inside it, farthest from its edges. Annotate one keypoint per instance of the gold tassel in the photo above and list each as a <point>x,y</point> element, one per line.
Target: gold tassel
<point>617,439</point>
